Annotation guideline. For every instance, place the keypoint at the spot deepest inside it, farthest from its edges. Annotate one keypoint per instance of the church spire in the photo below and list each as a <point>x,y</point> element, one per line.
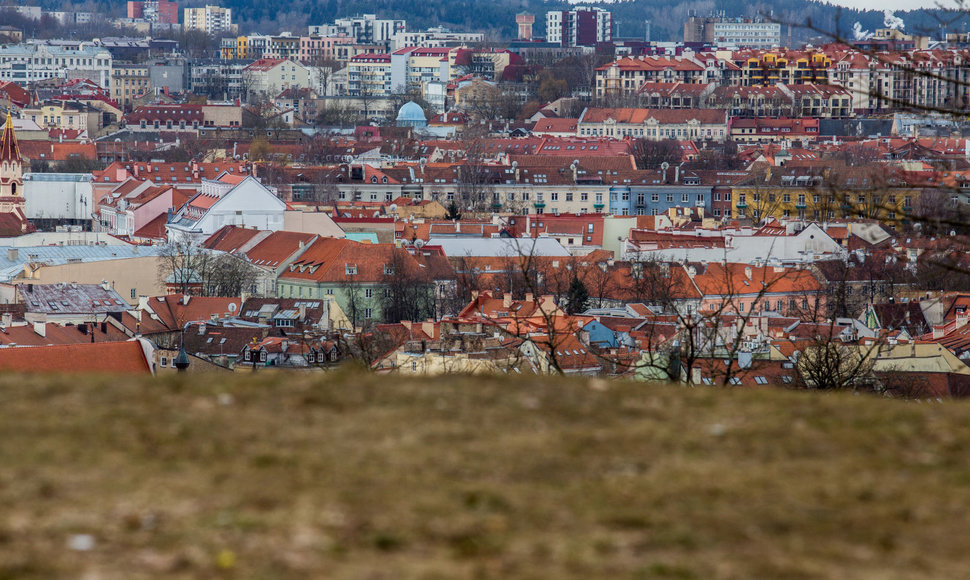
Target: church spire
<point>9,149</point>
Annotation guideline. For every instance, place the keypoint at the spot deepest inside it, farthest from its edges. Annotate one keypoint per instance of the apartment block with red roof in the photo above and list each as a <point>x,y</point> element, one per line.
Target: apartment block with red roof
<point>367,281</point>
<point>654,124</point>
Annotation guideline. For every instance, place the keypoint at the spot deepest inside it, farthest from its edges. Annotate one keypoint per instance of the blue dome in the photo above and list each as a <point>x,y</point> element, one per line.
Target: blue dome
<point>411,115</point>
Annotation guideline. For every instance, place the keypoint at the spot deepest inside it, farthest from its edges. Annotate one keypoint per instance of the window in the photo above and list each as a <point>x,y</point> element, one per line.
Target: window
<point>310,358</point>
<point>368,293</point>
<point>368,313</point>
<point>134,293</point>
<point>262,356</point>
<point>164,361</point>
<point>584,197</point>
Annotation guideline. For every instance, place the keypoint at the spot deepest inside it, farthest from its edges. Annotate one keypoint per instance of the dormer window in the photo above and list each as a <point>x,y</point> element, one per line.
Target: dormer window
<point>350,269</point>
<point>388,270</point>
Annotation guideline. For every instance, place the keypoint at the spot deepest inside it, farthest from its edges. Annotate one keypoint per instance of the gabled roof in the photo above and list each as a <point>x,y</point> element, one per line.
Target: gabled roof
<point>100,357</point>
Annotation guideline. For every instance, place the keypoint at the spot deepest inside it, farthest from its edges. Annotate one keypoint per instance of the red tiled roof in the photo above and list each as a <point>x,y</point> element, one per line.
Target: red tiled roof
<point>100,357</point>
<point>277,247</point>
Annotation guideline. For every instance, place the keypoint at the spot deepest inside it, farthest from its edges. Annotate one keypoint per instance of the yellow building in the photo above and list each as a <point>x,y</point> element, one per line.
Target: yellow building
<point>768,68</point>
<point>824,197</point>
<point>129,81</point>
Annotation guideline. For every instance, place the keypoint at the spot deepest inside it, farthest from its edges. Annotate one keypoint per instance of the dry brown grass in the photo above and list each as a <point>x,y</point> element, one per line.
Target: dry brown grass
<point>357,476</point>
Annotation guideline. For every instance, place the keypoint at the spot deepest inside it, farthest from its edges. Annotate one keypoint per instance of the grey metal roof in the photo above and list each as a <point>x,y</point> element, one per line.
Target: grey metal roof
<point>71,298</point>
<point>499,247</point>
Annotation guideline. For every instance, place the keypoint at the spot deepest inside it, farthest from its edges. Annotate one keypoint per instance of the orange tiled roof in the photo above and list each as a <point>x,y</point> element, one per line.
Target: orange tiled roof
<point>99,357</point>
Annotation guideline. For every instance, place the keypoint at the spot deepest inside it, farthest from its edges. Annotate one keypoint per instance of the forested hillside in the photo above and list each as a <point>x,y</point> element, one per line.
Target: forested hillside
<point>497,16</point>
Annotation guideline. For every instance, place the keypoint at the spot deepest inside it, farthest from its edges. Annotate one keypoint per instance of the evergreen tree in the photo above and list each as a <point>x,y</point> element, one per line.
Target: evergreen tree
<point>453,213</point>
<point>577,297</point>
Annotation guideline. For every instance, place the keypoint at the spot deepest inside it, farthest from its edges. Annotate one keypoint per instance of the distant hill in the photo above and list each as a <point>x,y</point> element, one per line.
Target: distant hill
<point>341,476</point>
<point>497,16</point>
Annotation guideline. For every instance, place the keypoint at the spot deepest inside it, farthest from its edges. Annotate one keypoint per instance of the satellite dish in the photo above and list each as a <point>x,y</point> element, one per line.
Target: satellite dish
<point>392,207</point>
<point>664,166</point>
<point>377,214</point>
<point>419,244</point>
<point>232,307</point>
<point>347,214</point>
<point>405,243</point>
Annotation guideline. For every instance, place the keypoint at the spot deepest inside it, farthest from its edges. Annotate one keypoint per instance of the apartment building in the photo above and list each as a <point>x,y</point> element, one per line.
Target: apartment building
<point>654,124</point>
<point>732,32</point>
<point>209,19</point>
<point>30,63</point>
<point>365,29</point>
<point>267,77</point>
<point>128,81</point>
<point>369,75</point>
<point>579,27</point>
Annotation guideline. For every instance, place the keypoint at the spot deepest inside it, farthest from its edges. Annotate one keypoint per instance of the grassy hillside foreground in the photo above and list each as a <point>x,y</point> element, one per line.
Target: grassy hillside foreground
<point>284,476</point>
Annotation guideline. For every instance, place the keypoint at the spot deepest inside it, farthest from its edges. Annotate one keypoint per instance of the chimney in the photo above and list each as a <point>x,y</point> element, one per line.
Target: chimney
<point>528,297</point>
<point>302,311</point>
<point>747,272</point>
<point>41,328</point>
<point>12,254</point>
<point>7,319</point>
<point>677,174</point>
<point>428,328</point>
<point>506,300</point>
<point>105,286</point>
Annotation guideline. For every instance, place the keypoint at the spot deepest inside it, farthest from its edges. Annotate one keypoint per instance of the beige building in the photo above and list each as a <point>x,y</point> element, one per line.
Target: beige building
<point>209,19</point>
<point>65,115</point>
<point>267,77</point>
<point>129,277</point>
<point>129,81</point>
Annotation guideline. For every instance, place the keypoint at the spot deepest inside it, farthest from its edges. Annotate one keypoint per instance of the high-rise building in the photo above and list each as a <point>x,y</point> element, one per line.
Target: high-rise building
<point>154,11</point>
<point>366,29</point>
<point>732,32</point>
<point>525,22</point>
<point>209,19</point>
<point>580,26</point>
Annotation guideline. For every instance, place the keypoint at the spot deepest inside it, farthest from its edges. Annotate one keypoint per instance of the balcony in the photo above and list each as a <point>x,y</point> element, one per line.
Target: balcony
<point>598,205</point>
<point>741,205</point>
<point>540,204</point>
<point>800,205</point>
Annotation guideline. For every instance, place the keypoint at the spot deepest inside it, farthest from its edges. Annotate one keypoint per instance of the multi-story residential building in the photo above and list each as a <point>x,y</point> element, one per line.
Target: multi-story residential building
<point>654,124</point>
<point>358,277</point>
<point>579,27</point>
<point>248,203</point>
<point>284,46</point>
<point>267,77</point>
<point>824,101</point>
<point>369,75</point>
<point>786,67</point>
<point>209,19</point>
<point>218,79</point>
<point>765,130</point>
<point>30,63</point>
<point>627,75</point>
<point>315,49</point>
<point>825,195</point>
<point>65,115</point>
<point>154,12</point>
<point>413,68</point>
<point>128,81</point>
<point>436,38</point>
<point>365,29</point>
<point>183,117</point>
<point>732,32</point>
